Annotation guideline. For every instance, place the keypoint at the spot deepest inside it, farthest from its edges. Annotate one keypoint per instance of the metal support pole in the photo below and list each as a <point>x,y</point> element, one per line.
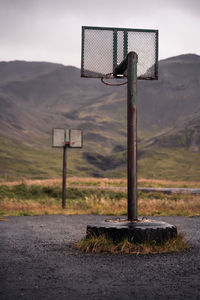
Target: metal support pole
<point>132,135</point>
<point>64,176</point>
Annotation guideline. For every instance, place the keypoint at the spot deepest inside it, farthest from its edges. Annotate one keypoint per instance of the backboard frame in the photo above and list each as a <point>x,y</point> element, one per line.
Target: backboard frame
<point>125,31</point>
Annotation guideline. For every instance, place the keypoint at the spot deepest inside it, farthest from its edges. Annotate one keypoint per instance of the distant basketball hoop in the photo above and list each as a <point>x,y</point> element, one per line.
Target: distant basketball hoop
<point>66,138</point>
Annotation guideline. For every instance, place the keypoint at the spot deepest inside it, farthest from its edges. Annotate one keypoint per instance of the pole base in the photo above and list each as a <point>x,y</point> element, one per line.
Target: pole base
<point>138,231</point>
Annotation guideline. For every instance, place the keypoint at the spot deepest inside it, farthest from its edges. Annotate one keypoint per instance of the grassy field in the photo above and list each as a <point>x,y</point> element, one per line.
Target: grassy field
<point>90,196</point>
<point>103,182</point>
<point>170,164</point>
<point>20,160</point>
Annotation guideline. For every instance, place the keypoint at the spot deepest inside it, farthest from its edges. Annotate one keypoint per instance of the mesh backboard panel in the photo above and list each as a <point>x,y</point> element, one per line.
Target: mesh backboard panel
<point>105,48</point>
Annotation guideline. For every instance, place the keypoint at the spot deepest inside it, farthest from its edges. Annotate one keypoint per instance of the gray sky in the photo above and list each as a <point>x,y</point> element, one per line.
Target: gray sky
<point>50,30</point>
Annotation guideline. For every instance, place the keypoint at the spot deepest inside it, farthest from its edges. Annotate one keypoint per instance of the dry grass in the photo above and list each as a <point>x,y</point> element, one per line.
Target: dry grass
<point>182,205</point>
<point>31,208</point>
<point>71,182</point>
<point>102,244</point>
<point>43,182</point>
<point>89,205</point>
<point>97,200</point>
<point>105,206</point>
<point>185,206</point>
<point>105,182</point>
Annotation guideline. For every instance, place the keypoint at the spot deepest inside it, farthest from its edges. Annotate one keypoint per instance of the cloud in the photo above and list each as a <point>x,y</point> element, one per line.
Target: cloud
<point>51,30</point>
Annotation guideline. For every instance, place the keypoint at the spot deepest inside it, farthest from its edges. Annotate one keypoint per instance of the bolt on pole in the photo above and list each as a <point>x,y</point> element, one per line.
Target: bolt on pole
<point>132,135</point>
<point>64,176</point>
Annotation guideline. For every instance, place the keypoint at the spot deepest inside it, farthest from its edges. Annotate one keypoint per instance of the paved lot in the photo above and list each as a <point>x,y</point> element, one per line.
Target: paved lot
<point>37,261</point>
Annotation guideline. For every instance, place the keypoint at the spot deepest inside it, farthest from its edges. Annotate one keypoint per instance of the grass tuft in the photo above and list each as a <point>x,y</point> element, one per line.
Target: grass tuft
<point>102,244</point>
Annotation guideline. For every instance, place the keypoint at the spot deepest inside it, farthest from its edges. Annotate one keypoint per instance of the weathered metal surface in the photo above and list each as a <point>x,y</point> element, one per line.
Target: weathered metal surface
<point>58,137</point>
<point>67,136</point>
<point>73,138</point>
<point>64,176</point>
<point>130,64</point>
<point>132,135</point>
<point>114,49</point>
<point>76,138</point>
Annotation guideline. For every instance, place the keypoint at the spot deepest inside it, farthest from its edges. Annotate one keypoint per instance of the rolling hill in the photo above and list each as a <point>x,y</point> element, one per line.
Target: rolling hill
<point>37,96</point>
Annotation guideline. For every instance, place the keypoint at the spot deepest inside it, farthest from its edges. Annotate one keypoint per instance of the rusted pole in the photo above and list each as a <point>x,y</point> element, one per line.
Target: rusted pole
<point>64,176</point>
<point>132,135</point>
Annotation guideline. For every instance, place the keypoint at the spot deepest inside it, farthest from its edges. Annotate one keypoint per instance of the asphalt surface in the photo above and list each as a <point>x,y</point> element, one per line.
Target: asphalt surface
<point>37,261</point>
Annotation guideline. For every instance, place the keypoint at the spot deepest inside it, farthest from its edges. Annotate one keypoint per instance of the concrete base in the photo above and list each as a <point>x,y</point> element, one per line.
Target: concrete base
<point>138,231</point>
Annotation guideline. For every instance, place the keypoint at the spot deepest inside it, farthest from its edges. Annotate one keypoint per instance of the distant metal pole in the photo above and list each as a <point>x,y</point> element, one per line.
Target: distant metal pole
<point>64,176</point>
<point>132,135</point>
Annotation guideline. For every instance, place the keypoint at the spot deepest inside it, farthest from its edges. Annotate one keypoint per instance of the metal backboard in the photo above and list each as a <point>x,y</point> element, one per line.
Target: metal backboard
<point>58,137</point>
<point>67,139</point>
<point>61,137</point>
<point>76,138</point>
<point>103,48</point>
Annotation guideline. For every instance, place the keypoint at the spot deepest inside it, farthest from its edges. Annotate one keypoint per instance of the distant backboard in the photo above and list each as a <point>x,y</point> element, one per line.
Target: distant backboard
<point>76,138</point>
<point>104,48</point>
<point>58,137</point>
<point>73,138</point>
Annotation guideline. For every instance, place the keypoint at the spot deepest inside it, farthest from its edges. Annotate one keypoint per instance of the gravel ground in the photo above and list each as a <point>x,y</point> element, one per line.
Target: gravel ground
<point>38,262</point>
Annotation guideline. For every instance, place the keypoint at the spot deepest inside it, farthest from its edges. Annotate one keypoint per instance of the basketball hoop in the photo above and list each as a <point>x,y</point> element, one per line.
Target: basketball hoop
<point>111,76</point>
<point>116,52</point>
<point>66,138</point>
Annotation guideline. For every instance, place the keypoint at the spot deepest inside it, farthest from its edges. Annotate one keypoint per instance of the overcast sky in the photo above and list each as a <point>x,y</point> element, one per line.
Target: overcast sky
<point>50,30</point>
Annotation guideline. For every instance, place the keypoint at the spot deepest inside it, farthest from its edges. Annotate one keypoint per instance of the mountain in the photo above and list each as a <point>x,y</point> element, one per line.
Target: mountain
<point>56,97</point>
<point>37,96</point>
<point>174,97</point>
<point>184,135</point>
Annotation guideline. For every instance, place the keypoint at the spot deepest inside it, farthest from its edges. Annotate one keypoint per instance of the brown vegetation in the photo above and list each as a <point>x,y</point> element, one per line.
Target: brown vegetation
<point>102,244</point>
<point>93,199</point>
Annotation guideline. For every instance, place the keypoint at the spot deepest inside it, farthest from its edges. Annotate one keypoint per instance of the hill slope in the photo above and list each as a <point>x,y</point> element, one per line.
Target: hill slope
<point>36,97</point>
<point>174,97</point>
<point>184,135</point>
